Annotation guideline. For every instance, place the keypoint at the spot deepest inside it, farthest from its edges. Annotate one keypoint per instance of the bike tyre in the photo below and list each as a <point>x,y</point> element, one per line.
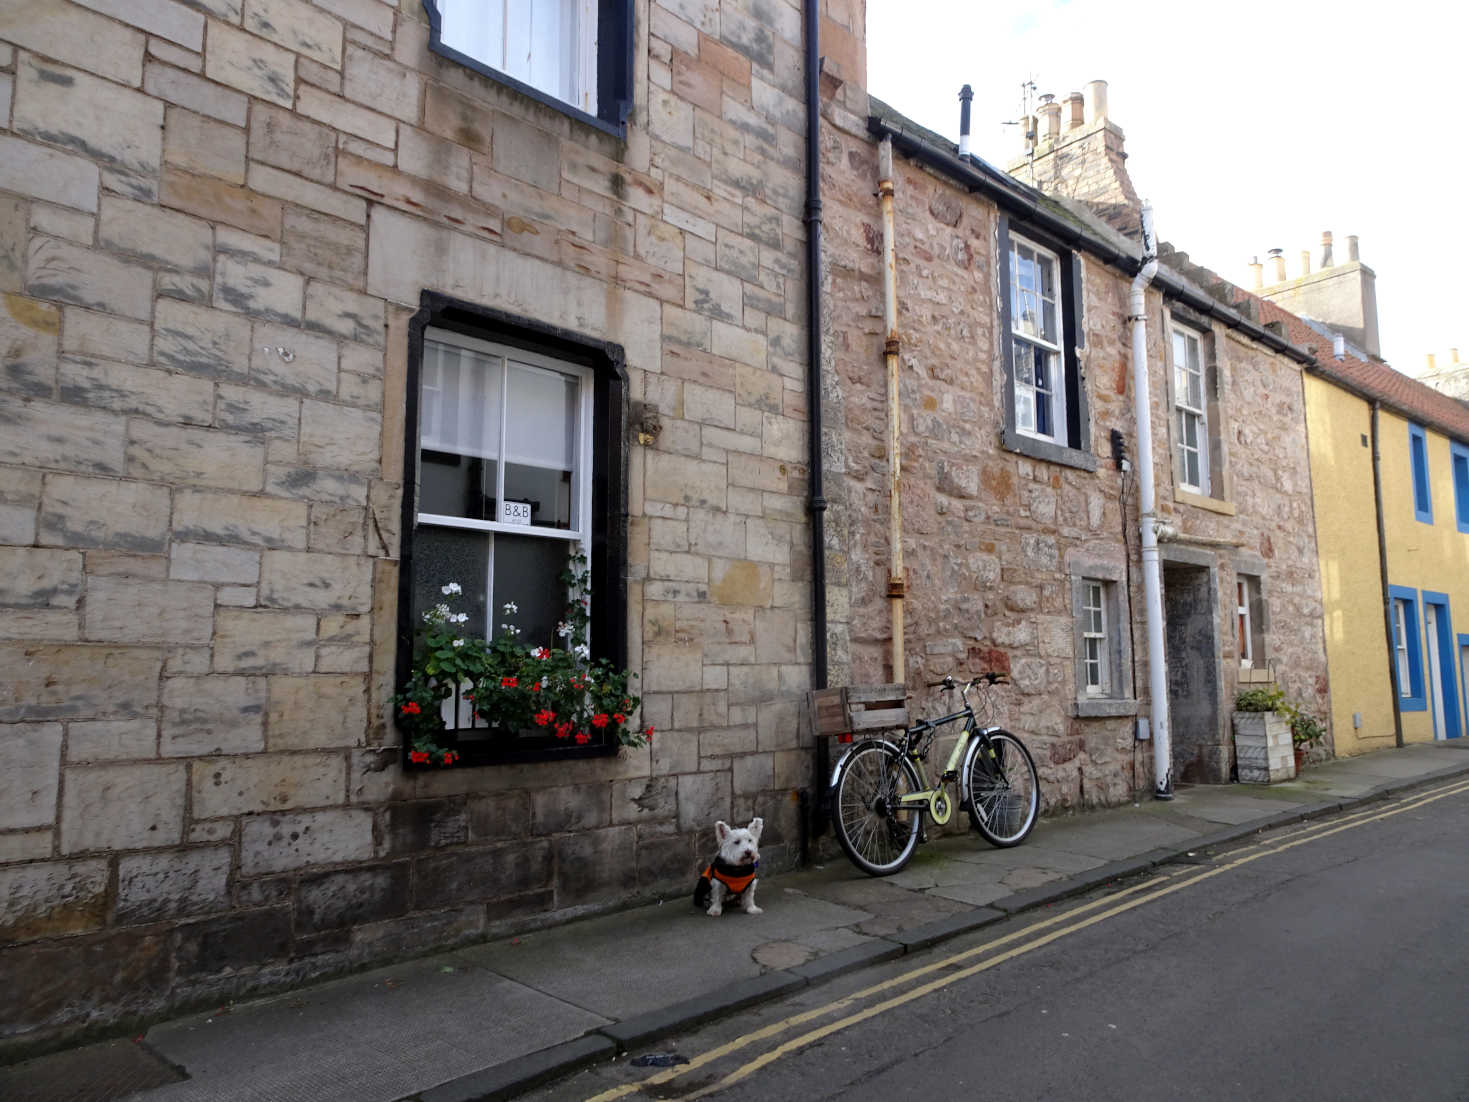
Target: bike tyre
<point>867,837</point>
<point>1015,791</point>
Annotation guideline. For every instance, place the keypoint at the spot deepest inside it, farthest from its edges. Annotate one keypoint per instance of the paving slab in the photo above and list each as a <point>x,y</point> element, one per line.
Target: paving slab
<point>639,961</point>
<point>369,1037</point>
<point>1110,835</point>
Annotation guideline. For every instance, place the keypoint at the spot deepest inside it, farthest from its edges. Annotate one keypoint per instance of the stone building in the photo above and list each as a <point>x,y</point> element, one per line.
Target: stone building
<point>286,284</point>
<point>1019,530</point>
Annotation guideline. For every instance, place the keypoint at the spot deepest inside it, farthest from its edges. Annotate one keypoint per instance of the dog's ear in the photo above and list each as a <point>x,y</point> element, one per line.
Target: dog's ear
<point>721,831</point>
<point>756,826</point>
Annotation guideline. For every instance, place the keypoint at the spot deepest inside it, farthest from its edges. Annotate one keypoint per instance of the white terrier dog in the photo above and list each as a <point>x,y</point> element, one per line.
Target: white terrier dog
<point>733,871</point>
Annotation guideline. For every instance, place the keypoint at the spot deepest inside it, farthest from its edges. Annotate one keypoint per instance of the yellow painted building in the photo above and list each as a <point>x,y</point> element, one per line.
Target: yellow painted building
<point>1398,636</point>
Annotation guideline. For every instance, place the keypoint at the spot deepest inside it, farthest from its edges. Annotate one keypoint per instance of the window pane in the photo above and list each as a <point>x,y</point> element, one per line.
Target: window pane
<point>443,555</point>
<point>456,486</point>
<point>1195,390</point>
<point>460,400</point>
<point>527,572</point>
<point>1025,409</point>
<point>476,28</point>
<point>541,441</point>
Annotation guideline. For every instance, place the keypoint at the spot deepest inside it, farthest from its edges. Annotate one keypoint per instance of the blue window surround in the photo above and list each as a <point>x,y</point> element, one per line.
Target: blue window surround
<point>1411,698</point>
<point>1422,489</point>
<point>1447,680</point>
<point>1459,458</point>
<point>614,67</point>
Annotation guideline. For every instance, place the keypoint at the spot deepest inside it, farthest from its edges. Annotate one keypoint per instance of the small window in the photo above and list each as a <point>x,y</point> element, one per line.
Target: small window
<point>1249,616</point>
<point>1407,649</point>
<point>1191,405</point>
<point>1044,399</point>
<point>1035,329</point>
<point>574,54</point>
<point>1094,660</point>
<point>1460,456</point>
<point>1422,491</point>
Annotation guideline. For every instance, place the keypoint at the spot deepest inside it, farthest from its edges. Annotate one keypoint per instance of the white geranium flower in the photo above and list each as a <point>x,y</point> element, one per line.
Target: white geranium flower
<point>563,629</point>
<point>451,589</point>
<point>459,642</point>
<point>582,651</point>
<point>511,608</point>
<point>459,619</point>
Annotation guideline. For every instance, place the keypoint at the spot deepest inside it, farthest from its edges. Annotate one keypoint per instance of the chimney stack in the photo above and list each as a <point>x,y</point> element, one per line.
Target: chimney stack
<point>1077,103</point>
<point>1341,296</point>
<point>1326,261</point>
<point>1257,272</point>
<point>1278,255</point>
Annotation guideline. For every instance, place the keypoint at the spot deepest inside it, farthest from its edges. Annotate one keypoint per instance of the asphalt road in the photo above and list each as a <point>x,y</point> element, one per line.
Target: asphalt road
<point>1326,961</point>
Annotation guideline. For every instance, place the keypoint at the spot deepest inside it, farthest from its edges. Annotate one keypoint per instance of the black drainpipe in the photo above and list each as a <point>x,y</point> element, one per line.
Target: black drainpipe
<point>813,393</point>
<point>1392,642</point>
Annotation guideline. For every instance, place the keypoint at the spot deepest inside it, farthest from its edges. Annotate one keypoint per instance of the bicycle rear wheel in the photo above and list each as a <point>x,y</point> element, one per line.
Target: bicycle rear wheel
<point>1002,791</point>
<point>876,832</point>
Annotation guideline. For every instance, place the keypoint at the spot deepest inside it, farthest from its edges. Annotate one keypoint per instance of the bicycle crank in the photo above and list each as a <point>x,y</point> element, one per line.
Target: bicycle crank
<point>940,806</point>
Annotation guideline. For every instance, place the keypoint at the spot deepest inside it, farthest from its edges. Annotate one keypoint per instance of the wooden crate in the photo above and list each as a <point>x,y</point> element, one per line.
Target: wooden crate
<point>858,709</point>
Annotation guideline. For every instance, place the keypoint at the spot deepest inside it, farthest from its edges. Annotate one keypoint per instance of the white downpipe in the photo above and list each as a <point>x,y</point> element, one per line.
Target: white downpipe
<point>1147,504</point>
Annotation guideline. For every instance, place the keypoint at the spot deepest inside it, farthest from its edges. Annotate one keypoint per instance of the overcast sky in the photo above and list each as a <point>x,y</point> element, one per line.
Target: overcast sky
<point>1249,126</point>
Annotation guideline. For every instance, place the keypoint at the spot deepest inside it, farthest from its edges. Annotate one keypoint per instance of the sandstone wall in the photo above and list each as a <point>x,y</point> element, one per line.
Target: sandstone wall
<point>216,219</point>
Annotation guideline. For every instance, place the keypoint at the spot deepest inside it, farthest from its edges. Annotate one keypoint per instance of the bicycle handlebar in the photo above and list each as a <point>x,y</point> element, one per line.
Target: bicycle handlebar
<point>989,677</point>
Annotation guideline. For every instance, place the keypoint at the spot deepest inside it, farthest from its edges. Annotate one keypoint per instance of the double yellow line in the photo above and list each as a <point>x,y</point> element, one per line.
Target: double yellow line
<point>1062,925</point>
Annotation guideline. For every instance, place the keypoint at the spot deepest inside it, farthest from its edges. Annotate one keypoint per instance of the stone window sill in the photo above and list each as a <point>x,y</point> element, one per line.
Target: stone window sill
<point>1201,501</point>
<point>1094,708</point>
<point>1048,452</point>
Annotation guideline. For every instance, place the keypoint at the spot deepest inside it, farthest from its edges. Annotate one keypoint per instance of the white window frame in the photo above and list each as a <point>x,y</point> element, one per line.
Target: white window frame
<point>1022,338</point>
<point>1401,609</point>
<point>575,64</point>
<point>1096,649</point>
<point>1243,626</point>
<point>581,511</point>
<point>1187,414</point>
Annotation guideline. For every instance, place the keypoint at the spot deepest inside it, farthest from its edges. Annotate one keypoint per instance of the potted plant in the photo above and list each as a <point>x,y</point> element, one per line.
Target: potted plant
<point>460,682</point>
<point>1306,732</point>
<point>1262,736</point>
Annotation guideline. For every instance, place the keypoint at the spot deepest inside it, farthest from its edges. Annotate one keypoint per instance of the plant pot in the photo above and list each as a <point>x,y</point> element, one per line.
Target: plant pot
<point>1262,747</point>
<point>1300,758</point>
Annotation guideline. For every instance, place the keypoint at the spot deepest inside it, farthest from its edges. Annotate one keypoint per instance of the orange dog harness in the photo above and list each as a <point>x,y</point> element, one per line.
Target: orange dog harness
<point>735,878</point>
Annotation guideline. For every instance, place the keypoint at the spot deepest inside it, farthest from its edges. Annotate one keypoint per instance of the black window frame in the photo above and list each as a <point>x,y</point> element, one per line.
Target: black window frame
<point>615,30</point>
<point>607,539</point>
<point>1077,452</point>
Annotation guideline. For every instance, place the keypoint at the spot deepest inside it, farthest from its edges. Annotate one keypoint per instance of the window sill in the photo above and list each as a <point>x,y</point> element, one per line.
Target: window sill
<point>1047,451</point>
<point>1094,708</point>
<point>618,130</point>
<point>1203,501</point>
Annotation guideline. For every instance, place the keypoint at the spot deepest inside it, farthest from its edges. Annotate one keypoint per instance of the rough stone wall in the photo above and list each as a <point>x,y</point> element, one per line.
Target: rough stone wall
<point>216,219</point>
<point>993,538</point>
<point>987,533</point>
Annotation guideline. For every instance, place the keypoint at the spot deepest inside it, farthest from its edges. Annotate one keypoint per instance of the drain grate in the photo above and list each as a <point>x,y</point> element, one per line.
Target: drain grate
<point>94,1073</point>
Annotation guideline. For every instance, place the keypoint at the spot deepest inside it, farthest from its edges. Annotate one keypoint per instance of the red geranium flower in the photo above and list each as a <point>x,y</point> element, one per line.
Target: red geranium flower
<point>509,682</point>
<point>582,738</point>
<point>619,718</point>
<point>411,708</point>
<point>418,757</point>
<point>544,716</point>
<point>562,730</point>
<point>648,732</point>
<point>450,757</point>
<point>599,720</point>
<point>536,687</point>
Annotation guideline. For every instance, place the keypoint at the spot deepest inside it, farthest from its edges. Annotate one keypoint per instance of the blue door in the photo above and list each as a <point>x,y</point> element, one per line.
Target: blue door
<point>1443,678</point>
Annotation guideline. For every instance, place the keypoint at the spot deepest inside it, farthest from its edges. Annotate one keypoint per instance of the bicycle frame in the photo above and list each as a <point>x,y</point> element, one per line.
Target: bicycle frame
<point>934,798</point>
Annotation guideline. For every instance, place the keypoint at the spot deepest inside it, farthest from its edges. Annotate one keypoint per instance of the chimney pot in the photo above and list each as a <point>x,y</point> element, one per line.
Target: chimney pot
<point>1326,261</point>
<point>1278,256</point>
<point>1431,364</point>
<point>1077,102</point>
<point>1050,110</point>
<point>1096,101</point>
<point>1257,272</point>
<point>1454,355</point>
<point>1352,248</point>
<point>1305,262</point>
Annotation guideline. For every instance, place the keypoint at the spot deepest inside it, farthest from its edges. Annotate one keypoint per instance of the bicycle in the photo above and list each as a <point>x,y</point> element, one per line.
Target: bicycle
<point>880,791</point>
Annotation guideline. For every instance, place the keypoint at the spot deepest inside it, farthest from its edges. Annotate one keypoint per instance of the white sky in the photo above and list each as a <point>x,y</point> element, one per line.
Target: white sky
<point>1249,126</point>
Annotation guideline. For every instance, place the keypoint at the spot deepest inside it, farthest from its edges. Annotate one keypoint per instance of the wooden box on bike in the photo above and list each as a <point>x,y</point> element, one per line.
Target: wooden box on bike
<point>858,709</point>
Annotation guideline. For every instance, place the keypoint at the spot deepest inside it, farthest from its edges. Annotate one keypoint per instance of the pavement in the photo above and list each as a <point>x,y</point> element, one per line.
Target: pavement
<point>495,1019</point>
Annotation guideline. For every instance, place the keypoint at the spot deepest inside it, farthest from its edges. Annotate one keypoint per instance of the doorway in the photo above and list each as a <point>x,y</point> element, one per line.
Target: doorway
<point>1443,679</point>
<point>1201,753</point>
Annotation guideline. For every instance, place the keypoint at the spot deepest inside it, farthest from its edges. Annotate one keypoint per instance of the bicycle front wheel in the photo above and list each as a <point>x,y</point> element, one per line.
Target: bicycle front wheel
<point>1002,791</point>
<point>877,833</point>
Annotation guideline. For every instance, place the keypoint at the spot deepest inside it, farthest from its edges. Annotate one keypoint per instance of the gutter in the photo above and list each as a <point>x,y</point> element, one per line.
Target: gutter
<point>1013,197</point>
